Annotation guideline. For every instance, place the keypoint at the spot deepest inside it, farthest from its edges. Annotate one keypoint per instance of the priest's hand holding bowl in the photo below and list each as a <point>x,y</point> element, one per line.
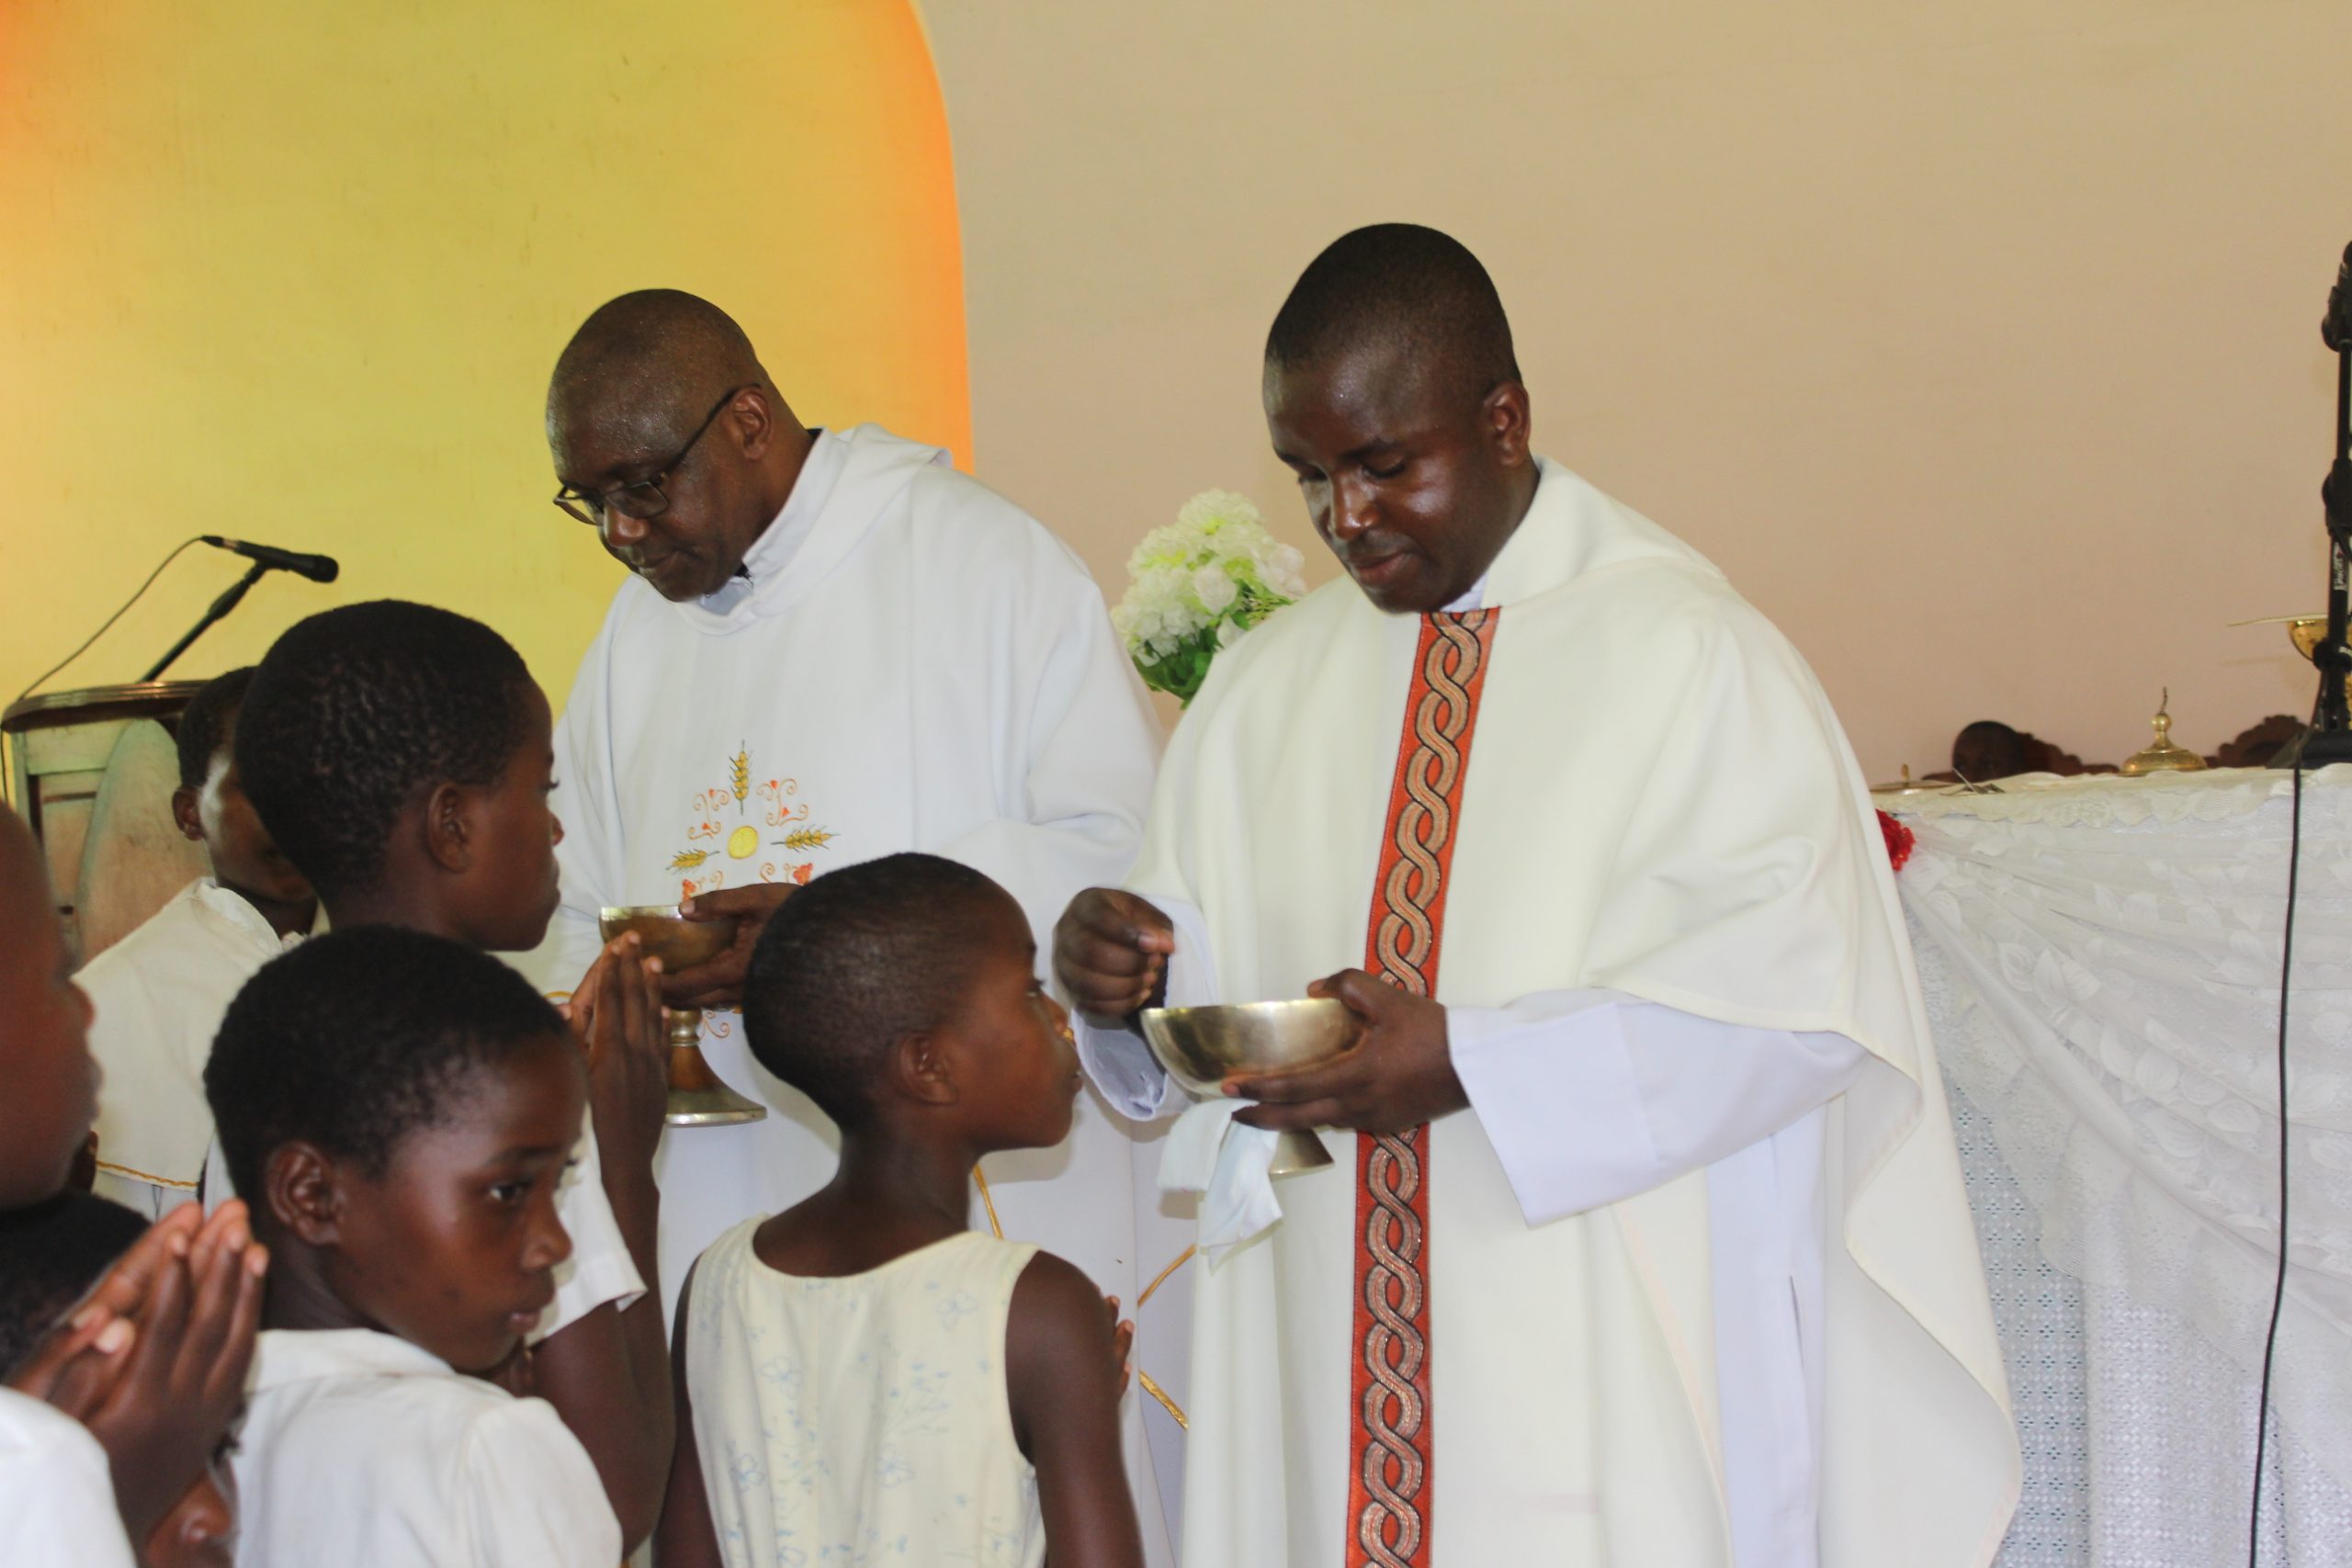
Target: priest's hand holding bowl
<point>718,983</point>
<point>1111,953</point>
<point>1399,1074</point>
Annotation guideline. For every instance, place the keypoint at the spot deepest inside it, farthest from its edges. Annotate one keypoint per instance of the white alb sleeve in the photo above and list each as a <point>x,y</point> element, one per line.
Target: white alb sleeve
<point>1592,1096</point>
<point>600,1269</point>
<point>1118,1059</point>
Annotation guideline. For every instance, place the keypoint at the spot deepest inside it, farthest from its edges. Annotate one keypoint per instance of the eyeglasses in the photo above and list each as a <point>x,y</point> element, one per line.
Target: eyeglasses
<point>645,498</point>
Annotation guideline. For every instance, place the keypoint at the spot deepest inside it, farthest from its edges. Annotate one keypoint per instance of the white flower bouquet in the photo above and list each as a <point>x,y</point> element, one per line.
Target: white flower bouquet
<point>1195,585</point>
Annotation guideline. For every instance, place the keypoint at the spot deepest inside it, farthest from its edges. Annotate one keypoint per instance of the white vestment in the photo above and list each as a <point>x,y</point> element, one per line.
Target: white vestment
<point>914,663</point>
<point>159,995</point>
<point>1659,803</point>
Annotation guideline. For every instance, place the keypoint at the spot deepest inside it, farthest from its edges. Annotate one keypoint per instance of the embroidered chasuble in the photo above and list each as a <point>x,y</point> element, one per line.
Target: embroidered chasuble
<point>1402,1299</point>
<point>1389,1472</point>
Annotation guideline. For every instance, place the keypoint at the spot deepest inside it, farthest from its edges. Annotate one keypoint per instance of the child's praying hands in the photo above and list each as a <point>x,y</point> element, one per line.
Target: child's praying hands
<point>153,1361</point>
<point>616,1014</point>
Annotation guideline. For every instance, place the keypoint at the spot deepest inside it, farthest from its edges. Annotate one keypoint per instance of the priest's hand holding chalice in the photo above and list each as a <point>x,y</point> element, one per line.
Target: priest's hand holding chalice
<point>1356,1054</point>
<point>704,946</point>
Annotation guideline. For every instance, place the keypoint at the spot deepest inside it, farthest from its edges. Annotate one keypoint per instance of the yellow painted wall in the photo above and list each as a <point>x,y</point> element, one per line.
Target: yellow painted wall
<point>296,273</point>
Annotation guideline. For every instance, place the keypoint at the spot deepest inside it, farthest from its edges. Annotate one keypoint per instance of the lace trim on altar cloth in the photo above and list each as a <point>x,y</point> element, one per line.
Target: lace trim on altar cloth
<point>2109,800</point>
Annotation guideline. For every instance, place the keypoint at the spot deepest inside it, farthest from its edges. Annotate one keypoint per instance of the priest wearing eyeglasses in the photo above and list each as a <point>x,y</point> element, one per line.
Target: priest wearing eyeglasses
<point>833,645</point>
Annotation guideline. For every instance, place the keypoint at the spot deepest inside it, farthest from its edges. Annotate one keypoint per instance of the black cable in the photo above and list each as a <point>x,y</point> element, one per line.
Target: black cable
<point>127,604</point>
<point>2278,1291</point>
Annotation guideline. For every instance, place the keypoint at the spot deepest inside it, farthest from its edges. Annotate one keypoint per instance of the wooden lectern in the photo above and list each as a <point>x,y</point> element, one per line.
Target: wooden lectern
<point>92,771</point>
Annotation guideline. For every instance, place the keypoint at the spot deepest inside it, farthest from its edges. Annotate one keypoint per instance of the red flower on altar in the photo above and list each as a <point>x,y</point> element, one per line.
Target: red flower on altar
<point>1898,840</point>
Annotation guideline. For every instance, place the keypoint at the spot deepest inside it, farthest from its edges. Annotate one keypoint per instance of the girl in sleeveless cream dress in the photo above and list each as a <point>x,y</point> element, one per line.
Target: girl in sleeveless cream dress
<point>861,1419</point>
<point>865,1382</point>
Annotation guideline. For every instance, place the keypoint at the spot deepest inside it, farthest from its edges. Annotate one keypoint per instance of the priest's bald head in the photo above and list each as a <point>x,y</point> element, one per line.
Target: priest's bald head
<point>671,439</point>
<point>1393,393</point>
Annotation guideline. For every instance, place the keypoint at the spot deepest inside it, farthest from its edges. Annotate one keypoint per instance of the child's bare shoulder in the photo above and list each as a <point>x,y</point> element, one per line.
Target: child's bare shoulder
<point>1055,1301</point>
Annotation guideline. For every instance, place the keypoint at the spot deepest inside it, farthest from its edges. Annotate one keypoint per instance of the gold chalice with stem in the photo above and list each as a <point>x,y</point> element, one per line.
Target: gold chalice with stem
<point>1201,1048</point>
<point>697,1097</point>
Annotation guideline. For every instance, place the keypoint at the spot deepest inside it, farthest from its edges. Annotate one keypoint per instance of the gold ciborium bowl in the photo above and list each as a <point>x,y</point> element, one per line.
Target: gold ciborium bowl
<point>1201,1048</point>
<point>698,1098</point>
<point>2307,632</point>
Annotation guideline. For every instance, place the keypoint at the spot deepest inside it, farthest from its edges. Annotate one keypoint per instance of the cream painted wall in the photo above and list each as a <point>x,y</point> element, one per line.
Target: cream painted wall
<point>1977,342</point>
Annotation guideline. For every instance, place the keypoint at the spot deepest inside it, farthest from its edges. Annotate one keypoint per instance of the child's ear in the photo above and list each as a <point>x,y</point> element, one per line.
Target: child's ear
<point>184,812</point>
<point>450,826</point>
<point>299,1188</point>
<point>919,1067</point>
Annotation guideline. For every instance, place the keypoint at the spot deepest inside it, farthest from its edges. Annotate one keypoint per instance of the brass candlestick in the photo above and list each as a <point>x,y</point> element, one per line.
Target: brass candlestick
<point>698,1098</point>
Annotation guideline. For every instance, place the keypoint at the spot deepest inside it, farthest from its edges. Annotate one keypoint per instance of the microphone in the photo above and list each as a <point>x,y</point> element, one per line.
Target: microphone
<point>318,569</point>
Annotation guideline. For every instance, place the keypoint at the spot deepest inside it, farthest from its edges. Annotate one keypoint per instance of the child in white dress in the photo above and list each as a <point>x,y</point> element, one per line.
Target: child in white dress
<point>864,1379</point>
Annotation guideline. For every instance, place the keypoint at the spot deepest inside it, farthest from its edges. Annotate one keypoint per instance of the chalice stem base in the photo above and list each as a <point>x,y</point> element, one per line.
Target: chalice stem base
<point>1296,1151</point>
<point>699,1097</point>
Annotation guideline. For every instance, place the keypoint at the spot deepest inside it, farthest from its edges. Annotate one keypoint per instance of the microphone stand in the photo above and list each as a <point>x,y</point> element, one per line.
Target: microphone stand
<point>2329,738</point>
<point>237,591</point>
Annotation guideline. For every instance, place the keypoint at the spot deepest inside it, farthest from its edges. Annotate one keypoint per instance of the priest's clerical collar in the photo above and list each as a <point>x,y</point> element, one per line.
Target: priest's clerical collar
<point>780,540</point>
<point>1472,600</point>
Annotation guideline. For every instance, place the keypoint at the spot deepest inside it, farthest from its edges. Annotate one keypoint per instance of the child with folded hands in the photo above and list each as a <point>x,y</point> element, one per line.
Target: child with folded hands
<point>115,1410</point>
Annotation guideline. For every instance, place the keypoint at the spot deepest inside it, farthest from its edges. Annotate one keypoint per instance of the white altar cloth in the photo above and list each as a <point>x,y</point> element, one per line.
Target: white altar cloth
<point>2100,959</point>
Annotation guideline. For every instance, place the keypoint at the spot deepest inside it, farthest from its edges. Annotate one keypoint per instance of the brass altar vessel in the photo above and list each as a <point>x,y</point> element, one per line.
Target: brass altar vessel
<point>1201,1048</point>
<point>2161,755</point>
<point>697,1095</point>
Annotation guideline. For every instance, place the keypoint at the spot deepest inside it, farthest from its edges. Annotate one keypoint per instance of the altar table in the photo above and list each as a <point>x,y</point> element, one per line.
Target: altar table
<point>2100,959</point>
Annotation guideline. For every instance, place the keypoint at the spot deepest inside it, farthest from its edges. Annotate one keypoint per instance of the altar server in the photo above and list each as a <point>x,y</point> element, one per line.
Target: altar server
<point>161,990</point>
<point>1645,1241</point>
<point>834,646</point>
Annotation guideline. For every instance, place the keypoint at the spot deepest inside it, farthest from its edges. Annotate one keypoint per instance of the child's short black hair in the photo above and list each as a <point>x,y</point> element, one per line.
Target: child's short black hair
<point>50,1254</point>
<point>204,724</point>
<point>357,1038</point>
<point>857,959</point>
<point>356,710</point>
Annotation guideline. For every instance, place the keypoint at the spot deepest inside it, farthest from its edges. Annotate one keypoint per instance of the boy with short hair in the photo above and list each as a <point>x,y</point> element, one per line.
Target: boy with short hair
<point>402,755</point>
<point>161,990</point>
<point>51,1255</point>
<point>112,1413</point>
<point>402,1109</point>
<point>862,1369</point>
